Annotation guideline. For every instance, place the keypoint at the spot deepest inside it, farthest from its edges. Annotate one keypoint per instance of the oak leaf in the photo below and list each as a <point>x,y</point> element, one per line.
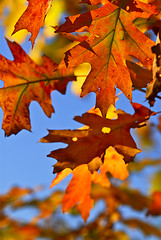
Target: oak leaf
<point>33,17</point>
<point>78,192</point>
<point>86,144</point>
<point>114,163</point>
<point>24,82</point>
<point>113,37</point>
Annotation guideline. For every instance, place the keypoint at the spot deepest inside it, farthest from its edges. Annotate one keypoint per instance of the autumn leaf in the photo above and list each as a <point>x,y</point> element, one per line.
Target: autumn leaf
<point>83,178</point>
<point>142,7</point>
<point>79,189</point>
<point>113,163</point>
<point>24,82</point>
<point>86,144</point>
<point>113,37</point>
<point>60,176</point>
<point>154,86</point>
<point>140,76</point>
<point>101,179</point>
<point>78,192</point>
<point>137,5</point>
<point>33,17</point>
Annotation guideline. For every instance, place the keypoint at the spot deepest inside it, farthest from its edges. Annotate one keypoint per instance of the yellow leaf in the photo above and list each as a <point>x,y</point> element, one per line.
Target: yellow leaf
<point>114,163</point>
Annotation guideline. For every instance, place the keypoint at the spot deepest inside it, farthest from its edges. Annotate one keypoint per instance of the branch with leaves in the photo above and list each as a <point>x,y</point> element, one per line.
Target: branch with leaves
<point>110,36</point>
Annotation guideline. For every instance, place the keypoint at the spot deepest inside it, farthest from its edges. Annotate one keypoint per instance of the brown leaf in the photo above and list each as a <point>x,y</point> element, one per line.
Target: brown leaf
<point>86,144</point>
<point>140,76</point>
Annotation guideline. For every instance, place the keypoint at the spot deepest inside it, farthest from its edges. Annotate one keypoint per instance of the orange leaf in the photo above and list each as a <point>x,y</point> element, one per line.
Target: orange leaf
<point>24,82</point>
<point>33,17</point>
<point>101,179</point>
<point>60,176</point>
<point>78,192</point>
<point>113,37</point>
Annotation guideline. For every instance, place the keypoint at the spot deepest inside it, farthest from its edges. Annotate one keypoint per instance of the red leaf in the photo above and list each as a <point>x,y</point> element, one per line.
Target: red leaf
<point>33,17</point>
<point>24,82</point>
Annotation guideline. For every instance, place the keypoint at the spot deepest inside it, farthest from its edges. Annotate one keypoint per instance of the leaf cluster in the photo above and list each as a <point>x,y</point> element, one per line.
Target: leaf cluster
<point>111,36</point>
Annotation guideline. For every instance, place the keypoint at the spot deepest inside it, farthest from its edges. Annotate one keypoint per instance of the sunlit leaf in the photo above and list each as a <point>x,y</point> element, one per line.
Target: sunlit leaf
<point>33,17</point>
<point>113,38</point>
<point>24,82</point>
